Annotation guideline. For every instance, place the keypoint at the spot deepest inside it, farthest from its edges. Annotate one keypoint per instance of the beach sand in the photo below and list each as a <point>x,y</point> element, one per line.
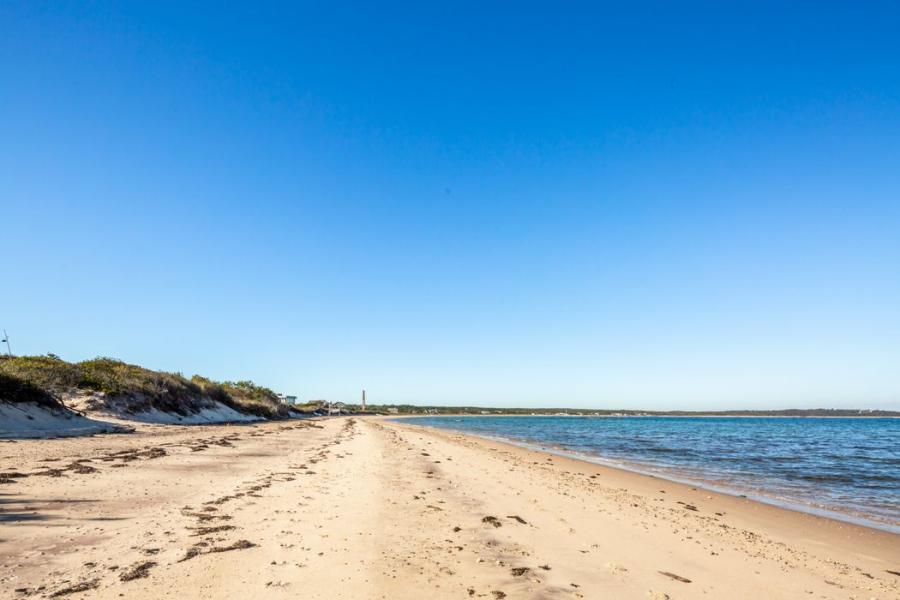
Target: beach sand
<point>368,508</point>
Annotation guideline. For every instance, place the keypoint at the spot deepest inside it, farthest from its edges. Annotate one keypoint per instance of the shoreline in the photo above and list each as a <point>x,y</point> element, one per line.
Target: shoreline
<point>638,468</point>
<point>811,521</point>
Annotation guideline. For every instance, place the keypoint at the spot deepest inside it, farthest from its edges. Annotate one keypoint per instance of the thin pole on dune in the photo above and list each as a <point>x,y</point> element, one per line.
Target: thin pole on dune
<point>6,339</point>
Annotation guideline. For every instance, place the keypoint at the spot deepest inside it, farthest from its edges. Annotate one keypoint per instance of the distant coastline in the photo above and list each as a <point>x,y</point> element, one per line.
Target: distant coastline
<point>473,411</point>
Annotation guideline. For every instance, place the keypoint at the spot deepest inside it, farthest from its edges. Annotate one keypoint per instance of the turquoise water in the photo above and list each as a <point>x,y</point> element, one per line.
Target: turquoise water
<point>850,467</point>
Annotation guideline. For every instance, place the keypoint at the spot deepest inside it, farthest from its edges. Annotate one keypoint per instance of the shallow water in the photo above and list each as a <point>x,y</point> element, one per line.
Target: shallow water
<point>847,466</point>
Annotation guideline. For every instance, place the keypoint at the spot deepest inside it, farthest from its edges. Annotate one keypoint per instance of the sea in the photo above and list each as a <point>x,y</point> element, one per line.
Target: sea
<point>844,468</point>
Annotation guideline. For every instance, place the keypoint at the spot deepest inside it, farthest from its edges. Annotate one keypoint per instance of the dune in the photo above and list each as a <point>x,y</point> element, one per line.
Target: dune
<point>33,420</point>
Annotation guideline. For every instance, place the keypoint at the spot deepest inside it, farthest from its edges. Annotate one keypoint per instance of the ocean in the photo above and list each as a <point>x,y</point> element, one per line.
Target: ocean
<point>841,467</point>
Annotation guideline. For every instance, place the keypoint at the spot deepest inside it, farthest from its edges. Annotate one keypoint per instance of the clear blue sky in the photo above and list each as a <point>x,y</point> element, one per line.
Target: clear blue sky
<point>665,206</point>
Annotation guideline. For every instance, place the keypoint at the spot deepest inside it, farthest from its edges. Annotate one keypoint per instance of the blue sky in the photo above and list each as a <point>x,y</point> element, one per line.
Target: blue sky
<point>659,206</point>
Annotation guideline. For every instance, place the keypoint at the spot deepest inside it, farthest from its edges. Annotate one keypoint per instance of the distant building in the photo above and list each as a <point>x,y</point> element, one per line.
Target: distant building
<point>393,410</point>
<point>287,399</point>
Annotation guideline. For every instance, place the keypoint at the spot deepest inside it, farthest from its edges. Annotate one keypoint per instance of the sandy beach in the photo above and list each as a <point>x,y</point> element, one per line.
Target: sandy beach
<point>369,508</point>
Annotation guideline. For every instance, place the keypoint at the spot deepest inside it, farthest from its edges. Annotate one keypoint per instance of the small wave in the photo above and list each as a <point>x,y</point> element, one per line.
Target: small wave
<point>828,478</point>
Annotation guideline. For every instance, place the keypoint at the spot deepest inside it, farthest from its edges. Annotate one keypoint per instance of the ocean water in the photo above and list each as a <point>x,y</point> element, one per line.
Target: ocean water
<point>847,468</point>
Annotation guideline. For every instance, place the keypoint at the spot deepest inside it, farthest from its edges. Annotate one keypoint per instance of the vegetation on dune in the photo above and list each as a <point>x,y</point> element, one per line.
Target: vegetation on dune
<point>46,378</point>
<point>244,396</point>
<point>19,390</point>
<point>48,372</point>
<point>310,407</point>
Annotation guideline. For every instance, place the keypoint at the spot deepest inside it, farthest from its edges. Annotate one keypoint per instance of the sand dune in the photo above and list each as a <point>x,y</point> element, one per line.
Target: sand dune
<point>365,508</point>
<point>32,420</point>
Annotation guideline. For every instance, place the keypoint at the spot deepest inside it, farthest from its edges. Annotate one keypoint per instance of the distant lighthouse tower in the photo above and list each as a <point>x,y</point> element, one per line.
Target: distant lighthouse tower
<point>364,401</point>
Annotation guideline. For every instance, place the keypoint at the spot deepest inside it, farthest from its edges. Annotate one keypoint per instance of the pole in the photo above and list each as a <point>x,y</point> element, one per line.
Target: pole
<point>6,339</point>
<point>364,401</point>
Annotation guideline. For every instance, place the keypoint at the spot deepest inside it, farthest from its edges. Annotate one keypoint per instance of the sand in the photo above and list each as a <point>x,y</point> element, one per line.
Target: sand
<point>31,420</point>
<point>367,508</point>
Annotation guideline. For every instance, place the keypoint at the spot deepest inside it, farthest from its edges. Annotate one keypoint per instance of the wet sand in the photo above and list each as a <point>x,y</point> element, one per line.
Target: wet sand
<point>367,508</point>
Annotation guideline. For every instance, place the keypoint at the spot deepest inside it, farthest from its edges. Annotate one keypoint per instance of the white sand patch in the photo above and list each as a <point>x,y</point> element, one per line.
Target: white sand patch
<point>31,420</point>
<point>215,413</point>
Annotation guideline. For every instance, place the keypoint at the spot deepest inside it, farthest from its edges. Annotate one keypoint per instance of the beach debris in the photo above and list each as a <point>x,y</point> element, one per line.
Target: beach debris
<point>205,516</point>
<point>11,476</point>
<point>82,469</point>
<point>492,521</point>
<point>155,452</point>
<point>457,529</point>
<point>197,549</point>
<point>544,567</point>
<point>198,531</point>
<point>519,571</point>
<point>498,594</point>
<point>84,586</point>
<point>517,518</point>
<point>191,553</point>
<point>675,577</point>
<point>238,545</point>
<point>137,571</point>
<point>50,473</point>
<point>897,573</point>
